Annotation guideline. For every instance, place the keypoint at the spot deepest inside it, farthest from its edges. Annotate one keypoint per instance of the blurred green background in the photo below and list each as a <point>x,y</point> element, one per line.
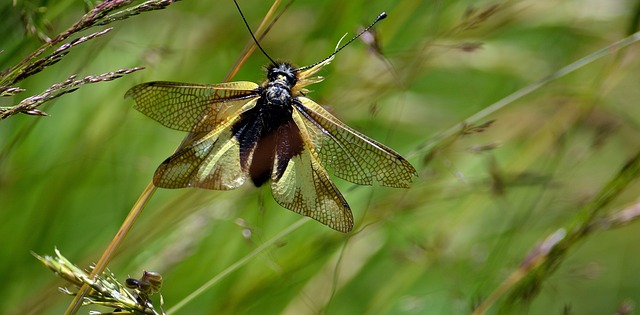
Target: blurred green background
<point>440,247</point>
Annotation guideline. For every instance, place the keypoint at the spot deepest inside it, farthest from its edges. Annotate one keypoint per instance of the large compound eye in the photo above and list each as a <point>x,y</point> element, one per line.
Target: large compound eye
<point>291,78</point>
<point>273,71</point>
<point>272,74</point>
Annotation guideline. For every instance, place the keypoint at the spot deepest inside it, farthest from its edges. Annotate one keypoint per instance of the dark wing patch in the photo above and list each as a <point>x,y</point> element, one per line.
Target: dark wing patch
<point>191,107</point>
<point>289,144</point>
<point>264,153</point>
<point>304,186</point>
<point>349,154</point>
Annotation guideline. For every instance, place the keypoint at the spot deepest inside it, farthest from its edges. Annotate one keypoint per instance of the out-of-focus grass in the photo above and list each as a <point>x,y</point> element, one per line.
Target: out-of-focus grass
<point>440,247</point>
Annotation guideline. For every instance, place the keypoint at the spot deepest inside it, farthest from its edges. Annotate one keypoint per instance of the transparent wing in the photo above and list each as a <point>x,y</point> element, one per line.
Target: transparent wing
<point>211,162</point>
<point>304,187</point>
<point>191,107</point>
<point>349,154</point>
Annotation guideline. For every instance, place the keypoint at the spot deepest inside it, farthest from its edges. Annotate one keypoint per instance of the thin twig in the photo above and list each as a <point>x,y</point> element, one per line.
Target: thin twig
<point>29,104</point>
<point>545,258</point>
<point>448,135</point>
<point>34,63</point>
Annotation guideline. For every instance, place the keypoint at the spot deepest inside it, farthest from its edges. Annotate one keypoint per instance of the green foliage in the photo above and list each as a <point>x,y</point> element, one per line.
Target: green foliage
<point>533,212</point>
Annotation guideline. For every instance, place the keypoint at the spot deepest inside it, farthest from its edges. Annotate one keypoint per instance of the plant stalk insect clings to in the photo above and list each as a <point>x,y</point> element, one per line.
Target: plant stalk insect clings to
<point>269,132</point>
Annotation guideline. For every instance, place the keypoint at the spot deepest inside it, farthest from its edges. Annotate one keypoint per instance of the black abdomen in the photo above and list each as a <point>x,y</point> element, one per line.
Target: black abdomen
<point>270,129</point>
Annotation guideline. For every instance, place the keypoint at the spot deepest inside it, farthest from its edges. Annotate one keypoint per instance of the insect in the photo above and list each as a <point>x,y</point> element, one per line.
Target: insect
<point>269,132</point>
<point>150,283</point>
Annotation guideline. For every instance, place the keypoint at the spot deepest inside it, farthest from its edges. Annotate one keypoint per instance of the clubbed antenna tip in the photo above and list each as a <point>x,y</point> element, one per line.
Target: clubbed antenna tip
<point>380,17</point>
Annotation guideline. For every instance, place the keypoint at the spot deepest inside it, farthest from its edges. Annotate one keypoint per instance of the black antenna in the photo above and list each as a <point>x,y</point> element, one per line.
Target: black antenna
<point>253,36</point>
<point>378,19</point>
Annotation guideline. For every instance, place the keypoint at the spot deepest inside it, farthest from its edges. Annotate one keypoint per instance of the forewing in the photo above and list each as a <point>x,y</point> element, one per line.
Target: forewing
<point>349,154</point>
<point>191,107</point>
<point>211,162</point>
<point>304,187</point>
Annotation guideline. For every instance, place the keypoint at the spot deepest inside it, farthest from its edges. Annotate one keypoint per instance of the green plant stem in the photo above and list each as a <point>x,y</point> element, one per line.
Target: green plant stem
<point>235,266</point>
<point>544,259</point>
<point>540,264</point>
<point>454,131</point>
<point>101,265</point>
